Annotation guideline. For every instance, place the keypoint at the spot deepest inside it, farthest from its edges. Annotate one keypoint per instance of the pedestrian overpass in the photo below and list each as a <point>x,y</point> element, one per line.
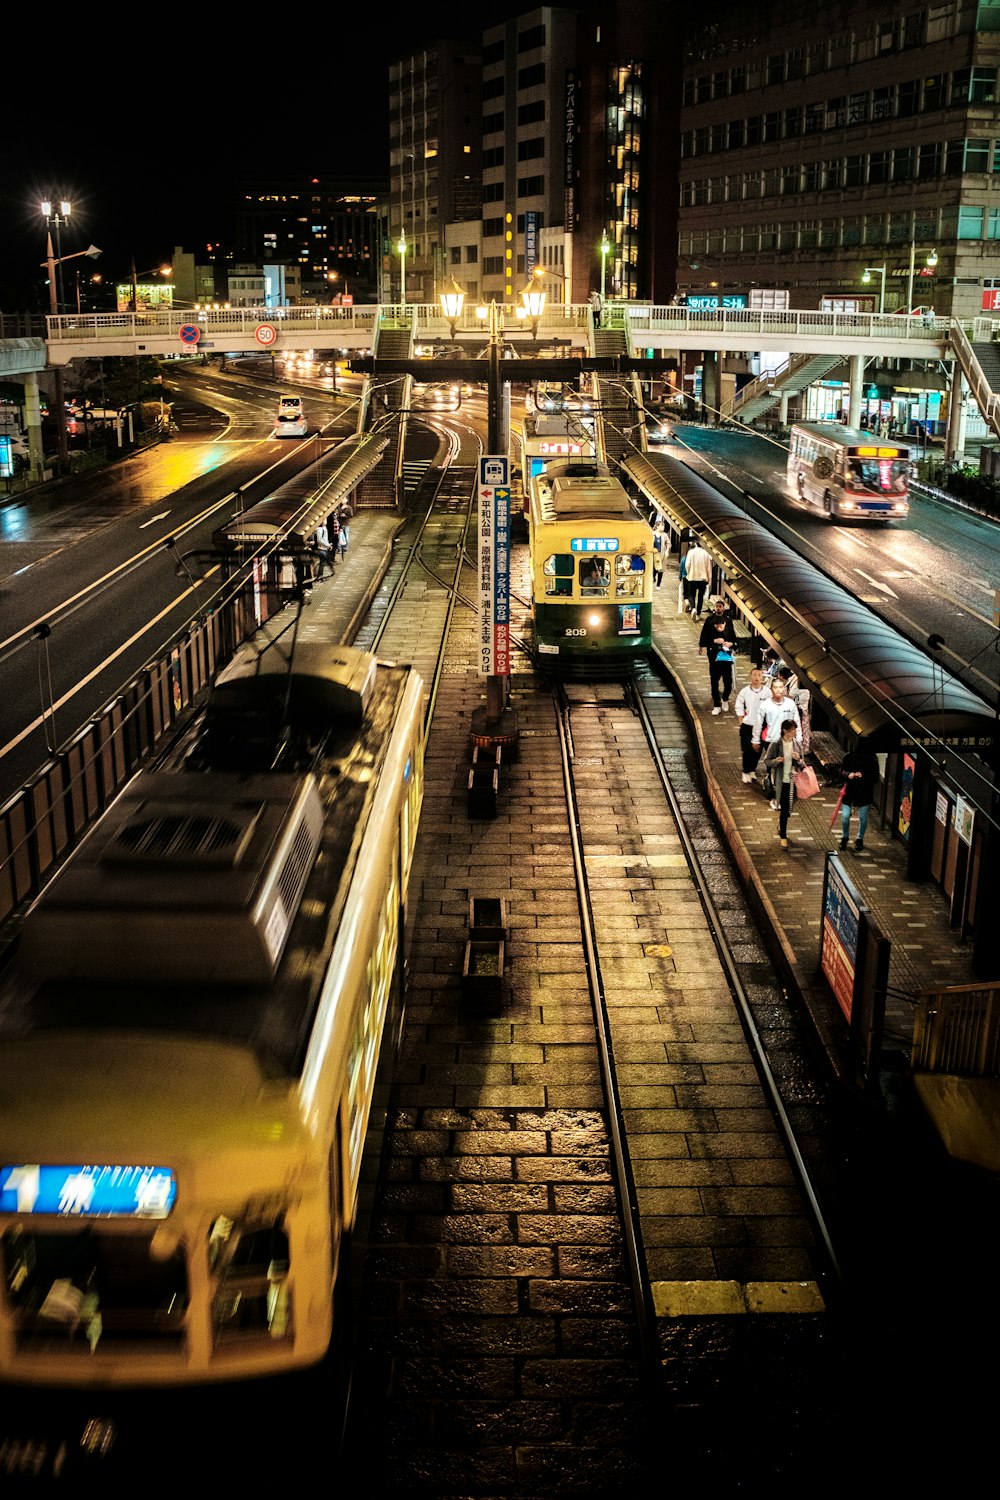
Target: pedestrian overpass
<point>645,332</point>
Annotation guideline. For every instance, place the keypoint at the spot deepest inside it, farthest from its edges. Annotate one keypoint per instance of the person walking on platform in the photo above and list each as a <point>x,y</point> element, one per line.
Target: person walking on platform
<point>783,759</point>
<point>698,572</point>
<point>717,640</point>
<point>321,547</point>
<point>771,714</point>
<point>860,770</point>
<point>748,700</point>
<point>661,546</point>
<point>344,537</point>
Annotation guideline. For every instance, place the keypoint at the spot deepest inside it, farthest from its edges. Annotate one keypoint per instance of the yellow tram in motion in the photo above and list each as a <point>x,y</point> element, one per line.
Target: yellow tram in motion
<point>591,568</point>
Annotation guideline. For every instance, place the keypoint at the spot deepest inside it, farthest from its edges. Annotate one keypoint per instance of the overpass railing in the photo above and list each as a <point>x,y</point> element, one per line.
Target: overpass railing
<point>557,319</point>
<point>325,322</point>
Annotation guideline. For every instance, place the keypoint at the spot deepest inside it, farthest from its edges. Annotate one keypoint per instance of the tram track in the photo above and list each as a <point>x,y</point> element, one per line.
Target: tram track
<point>524,1226</point>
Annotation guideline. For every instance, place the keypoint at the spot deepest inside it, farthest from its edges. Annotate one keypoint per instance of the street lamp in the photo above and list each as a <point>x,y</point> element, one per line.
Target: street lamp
<point>55,217</point>
<point>605,252</point>
<point>930,261</point>
<point>55,220</point>
<point>866,278</point>
<point>401,247</point>
<point>542,271</point>
<point>451,305</point>
<point>533,300</point>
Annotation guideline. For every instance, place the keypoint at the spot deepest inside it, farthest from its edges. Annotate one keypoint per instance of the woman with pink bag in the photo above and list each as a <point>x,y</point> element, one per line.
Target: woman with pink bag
<point>782,760</point>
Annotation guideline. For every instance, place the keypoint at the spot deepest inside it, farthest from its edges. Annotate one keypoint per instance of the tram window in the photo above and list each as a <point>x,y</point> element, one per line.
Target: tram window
<point>630,568</point>
<point>558,572</point>
<point>595,575</point>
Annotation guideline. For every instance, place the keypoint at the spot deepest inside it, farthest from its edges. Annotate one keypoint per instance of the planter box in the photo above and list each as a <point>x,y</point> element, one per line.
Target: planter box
<point>482,977</point>
<point>484,786</point>
<point>487,919</point>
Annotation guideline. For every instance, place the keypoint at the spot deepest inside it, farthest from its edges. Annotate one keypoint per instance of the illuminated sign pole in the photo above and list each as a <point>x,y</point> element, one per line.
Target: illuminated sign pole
<point>494,580</point>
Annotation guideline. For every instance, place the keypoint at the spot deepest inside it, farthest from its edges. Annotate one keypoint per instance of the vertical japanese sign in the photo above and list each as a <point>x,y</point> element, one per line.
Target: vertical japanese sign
<point>494,567</point>
<point>530,240</point>
<point>569,152</point>
<point>842,909</point>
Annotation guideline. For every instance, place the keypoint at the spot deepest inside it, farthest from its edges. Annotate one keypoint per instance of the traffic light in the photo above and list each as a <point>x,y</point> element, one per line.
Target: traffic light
<point>872,392</point>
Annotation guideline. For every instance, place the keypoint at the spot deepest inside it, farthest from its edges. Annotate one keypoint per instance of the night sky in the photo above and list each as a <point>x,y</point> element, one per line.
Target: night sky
<point>147,140</point>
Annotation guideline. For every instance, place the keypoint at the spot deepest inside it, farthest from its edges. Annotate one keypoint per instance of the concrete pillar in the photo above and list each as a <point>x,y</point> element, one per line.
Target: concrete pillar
<point>710,387</point>
<point>783,409</point>
<point>33,419</point>
<point>856,390</point>
<point>954,448</point>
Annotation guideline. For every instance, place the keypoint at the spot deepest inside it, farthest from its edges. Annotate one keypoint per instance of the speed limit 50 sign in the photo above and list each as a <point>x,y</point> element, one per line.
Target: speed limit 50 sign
<point>265,334</point>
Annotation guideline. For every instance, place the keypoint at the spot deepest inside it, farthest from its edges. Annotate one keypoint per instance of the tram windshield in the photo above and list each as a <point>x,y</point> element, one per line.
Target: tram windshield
<point>630,572</point>
<point>595,576</point>
<point>557,571</point>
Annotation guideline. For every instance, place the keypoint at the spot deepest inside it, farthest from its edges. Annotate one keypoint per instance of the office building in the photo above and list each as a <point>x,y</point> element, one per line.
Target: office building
<point>822,146</point>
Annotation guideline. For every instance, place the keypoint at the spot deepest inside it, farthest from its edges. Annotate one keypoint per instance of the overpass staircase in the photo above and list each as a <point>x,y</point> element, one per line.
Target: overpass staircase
<point>386,406</point>
<point>790,379</point>
<point>980,364</point>
<point>620,427</point>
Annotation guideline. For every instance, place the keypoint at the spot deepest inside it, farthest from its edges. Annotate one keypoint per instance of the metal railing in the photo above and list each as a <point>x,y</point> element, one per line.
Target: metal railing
<point>986,398</point>
<point>957,1030</point>
<point>43,822</point>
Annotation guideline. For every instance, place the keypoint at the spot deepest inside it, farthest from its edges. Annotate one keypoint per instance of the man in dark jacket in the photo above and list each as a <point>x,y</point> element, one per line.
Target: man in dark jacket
<point>860,772</point>
<point>717,640</point>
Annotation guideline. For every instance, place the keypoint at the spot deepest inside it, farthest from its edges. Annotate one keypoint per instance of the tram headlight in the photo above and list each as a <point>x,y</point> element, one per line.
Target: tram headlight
<point>594,619</point>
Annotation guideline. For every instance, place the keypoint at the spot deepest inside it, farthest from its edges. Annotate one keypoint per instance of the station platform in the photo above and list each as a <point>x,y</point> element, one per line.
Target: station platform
<point>926,952</point>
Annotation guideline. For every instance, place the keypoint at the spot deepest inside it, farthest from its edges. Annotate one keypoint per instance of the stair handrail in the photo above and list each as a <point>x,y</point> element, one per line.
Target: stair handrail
<point>985,397</point>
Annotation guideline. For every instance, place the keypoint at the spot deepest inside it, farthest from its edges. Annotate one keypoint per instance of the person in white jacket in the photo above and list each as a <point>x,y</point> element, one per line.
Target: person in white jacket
<point>748,700</point>
<point>772,712</point>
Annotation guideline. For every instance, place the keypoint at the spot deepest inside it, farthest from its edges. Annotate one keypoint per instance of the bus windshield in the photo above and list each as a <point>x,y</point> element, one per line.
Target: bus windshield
<point>879,474</point>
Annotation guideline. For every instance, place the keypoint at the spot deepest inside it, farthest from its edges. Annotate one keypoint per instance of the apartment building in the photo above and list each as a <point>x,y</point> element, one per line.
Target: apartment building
<point>332,231</point>
<point>849,154</point>
<point>434,165</point>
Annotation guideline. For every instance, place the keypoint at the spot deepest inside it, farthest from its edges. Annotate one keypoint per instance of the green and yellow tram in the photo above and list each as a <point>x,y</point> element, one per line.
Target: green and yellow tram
<point>591,568</point>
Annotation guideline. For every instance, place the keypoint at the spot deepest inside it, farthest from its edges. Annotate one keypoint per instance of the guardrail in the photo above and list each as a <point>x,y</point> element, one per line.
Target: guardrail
<point>46,819</point>
<point>957,1030</point>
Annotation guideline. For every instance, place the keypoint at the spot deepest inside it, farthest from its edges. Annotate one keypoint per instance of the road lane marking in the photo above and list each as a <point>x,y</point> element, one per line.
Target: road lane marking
<point>153,520</point>
<point>875,583</point>
<point>50,713</point>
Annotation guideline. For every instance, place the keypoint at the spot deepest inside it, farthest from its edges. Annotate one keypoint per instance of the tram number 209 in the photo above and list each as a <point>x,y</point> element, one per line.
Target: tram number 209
<point>575,632</point>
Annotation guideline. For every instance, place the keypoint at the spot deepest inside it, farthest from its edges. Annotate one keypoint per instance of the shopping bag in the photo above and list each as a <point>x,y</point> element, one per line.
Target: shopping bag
<point>806,782</point>
<point>837,806</point>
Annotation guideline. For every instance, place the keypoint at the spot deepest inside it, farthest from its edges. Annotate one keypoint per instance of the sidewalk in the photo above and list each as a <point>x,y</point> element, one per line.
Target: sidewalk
<point>926,951</point>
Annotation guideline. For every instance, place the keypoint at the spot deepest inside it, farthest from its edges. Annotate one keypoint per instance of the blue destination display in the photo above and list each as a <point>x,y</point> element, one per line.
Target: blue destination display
<point>88,1192</point>
<point>594,544</point>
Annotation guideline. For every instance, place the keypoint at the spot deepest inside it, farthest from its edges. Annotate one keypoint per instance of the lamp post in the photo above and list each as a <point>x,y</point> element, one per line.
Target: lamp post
<point>540,272</point>
<point>605,252</point>
<point>533,301</point>
<point>866,277</point>
<point>930,261</point>
<point>53,260</point>
<point>452,303</point>
<point>401,247</point>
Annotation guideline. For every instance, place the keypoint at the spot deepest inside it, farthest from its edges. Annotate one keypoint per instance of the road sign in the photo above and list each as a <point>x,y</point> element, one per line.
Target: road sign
<point>190,333</point>
<point>265,334</point>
